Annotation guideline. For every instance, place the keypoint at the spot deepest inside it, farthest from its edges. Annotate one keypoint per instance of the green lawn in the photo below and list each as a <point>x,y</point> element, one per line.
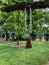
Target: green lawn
<point>37,55</point>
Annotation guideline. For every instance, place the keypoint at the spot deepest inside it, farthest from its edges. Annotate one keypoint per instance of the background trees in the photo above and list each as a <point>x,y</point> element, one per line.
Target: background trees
<point>10,21</point>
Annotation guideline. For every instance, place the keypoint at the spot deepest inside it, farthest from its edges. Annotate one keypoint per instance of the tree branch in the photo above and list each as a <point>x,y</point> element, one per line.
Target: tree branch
<point>15,1</point>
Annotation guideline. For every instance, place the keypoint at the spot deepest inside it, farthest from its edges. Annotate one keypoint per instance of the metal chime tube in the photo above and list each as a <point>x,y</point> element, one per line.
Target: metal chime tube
<point>30,20</point>
<point>25,19</point>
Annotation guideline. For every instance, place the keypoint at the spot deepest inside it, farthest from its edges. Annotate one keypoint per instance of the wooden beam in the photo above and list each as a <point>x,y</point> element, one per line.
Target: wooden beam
<point>27,5</point>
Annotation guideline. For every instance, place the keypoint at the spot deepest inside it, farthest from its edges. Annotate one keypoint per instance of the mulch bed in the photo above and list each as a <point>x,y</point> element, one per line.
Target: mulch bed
<point>14,45</point>
<point>18,46</point>
<point>4,40</point>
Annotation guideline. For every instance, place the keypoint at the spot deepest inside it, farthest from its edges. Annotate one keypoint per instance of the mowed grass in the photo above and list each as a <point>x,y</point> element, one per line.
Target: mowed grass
<point>37,55</point>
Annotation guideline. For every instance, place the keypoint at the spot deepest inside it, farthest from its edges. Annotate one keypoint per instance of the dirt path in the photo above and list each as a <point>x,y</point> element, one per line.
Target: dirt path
<point>47,63</point>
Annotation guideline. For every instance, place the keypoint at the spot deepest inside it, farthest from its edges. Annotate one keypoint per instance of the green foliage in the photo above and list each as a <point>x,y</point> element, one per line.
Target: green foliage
<point>14,21</point>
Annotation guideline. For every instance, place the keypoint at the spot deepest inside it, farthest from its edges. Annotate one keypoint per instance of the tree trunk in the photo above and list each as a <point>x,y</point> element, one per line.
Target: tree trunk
<point>28,44</point>
<point>7,35</point>
<point>18,41</point>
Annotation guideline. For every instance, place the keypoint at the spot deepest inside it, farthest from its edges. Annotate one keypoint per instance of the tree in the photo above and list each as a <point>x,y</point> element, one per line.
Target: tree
<point>10,20</point>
